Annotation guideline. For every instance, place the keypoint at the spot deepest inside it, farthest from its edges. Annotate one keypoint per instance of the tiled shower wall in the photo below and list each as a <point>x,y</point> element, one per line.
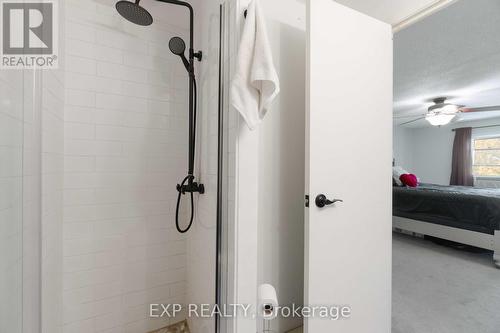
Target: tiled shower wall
<point>52,177</point>
<point>31,177</point>
<point>125,149</point>
<point>11,199</point>
<point>52,83</point>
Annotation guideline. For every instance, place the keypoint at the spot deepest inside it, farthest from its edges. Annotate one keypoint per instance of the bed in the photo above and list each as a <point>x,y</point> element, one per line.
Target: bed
<point>462,214</point>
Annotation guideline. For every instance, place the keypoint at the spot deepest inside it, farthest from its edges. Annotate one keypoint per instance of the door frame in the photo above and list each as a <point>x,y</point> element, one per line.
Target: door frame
<point>244,238</point>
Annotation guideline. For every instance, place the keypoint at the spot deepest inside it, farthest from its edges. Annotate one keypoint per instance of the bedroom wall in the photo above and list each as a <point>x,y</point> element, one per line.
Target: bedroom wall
<point>431,151</point>
<point>427,152</point>
<point>402,147</point>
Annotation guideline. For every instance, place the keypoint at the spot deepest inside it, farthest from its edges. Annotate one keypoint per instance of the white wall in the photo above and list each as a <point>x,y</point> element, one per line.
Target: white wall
<point>125,150</point>
<point>432,150</point>
<point>402,149</point>
<point>427,151</point>
<point>281,163</point>
<point>270,174</point>
<point>244,171</point>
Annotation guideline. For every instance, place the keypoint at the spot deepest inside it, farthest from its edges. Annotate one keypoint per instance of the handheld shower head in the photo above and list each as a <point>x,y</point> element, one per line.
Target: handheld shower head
<point>178,47</point>
<point>134,13</point>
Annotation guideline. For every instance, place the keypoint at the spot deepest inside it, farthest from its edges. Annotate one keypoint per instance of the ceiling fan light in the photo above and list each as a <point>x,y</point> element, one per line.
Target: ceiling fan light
<point>444,108</point>
<point>450,108</point>
<point>440,119</point>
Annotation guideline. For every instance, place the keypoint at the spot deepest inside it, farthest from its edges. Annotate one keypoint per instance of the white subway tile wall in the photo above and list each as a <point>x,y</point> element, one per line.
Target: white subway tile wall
<point>52,176</point>
<point>31,174</point>
<point>125,148</point>
<point>113,127</point>
<point>11,199</point>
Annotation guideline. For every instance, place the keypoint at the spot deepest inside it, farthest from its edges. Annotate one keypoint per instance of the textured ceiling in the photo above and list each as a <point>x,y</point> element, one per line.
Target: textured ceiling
<point>453,53</point>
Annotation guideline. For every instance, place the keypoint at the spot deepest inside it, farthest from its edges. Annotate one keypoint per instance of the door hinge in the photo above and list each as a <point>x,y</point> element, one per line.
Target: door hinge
<point>307,201</point>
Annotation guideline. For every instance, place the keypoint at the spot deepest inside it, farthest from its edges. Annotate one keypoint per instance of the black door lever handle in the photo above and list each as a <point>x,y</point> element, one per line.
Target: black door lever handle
<point>322,201</point>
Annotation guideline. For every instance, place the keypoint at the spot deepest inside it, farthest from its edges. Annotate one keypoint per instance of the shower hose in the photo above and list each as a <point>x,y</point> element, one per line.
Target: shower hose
<point>188,180</point>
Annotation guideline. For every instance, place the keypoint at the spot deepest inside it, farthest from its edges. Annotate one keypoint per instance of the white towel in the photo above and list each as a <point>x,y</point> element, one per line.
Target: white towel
<point>256,83</point>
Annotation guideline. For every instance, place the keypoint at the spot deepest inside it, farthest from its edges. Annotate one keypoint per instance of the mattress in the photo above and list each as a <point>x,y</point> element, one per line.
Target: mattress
<point>469,208</point>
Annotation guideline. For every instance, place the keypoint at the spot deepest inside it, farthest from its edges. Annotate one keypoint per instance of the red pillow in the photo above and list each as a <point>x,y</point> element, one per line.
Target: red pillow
<point>409,180</point>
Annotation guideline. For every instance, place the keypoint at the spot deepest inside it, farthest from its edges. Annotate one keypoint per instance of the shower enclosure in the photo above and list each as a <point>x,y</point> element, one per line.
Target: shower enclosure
<point>91,155</point>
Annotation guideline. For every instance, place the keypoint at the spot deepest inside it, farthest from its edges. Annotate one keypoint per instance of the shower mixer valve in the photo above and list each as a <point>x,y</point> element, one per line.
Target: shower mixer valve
<point>191,187</point>
<point>198,55</point>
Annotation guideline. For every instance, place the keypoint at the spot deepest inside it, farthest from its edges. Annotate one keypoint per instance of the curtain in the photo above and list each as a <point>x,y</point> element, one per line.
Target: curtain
<point>461,168</point>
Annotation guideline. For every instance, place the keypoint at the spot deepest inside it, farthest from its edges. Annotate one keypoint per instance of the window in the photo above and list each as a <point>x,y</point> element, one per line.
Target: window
<point>486,157</point>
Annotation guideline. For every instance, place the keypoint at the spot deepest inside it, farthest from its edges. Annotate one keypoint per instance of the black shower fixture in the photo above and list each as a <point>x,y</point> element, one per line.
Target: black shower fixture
<point>178,47</point>
<point>133,12</point>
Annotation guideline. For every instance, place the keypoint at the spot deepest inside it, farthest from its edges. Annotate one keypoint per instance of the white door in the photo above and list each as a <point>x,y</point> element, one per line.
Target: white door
<point>349,148</point>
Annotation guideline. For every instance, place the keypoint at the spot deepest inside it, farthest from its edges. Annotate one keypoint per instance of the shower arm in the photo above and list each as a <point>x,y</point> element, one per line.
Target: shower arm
<point>191,186</point>
<point>192,54</point>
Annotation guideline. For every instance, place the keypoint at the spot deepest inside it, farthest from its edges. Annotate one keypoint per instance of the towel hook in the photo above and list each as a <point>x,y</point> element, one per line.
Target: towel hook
<point>245,13</point>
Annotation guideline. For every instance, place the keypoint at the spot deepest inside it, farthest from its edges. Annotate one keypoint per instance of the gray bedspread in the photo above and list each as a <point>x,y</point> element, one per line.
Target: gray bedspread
<point>470,208</point>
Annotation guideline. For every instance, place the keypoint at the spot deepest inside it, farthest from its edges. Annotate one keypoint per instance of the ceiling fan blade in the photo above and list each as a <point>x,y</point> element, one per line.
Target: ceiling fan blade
<point>409,116</point>
<point>411,121</point>
<point>481,109</point>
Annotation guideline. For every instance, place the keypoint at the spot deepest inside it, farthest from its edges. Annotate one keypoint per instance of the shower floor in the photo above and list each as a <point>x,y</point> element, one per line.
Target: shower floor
<point>181,327</point>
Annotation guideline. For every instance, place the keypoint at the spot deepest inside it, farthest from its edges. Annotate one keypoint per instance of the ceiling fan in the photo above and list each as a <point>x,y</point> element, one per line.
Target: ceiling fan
<point>442,113</point>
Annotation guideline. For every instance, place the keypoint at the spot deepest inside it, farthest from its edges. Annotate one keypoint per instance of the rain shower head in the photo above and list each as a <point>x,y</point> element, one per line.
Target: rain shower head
<point>178,47</point>
<point>134,13</point>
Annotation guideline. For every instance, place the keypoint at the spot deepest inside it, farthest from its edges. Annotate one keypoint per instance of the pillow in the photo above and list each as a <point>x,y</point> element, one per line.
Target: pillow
<point>397,171</point>
<point>409,180</point>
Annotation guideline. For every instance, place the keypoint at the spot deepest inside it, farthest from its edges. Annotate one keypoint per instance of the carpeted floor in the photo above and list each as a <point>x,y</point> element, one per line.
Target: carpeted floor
<point>437,289</point>
<point>442,290</point>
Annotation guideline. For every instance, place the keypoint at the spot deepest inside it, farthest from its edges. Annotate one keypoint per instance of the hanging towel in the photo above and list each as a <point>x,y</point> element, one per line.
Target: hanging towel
<point>256,83</point>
